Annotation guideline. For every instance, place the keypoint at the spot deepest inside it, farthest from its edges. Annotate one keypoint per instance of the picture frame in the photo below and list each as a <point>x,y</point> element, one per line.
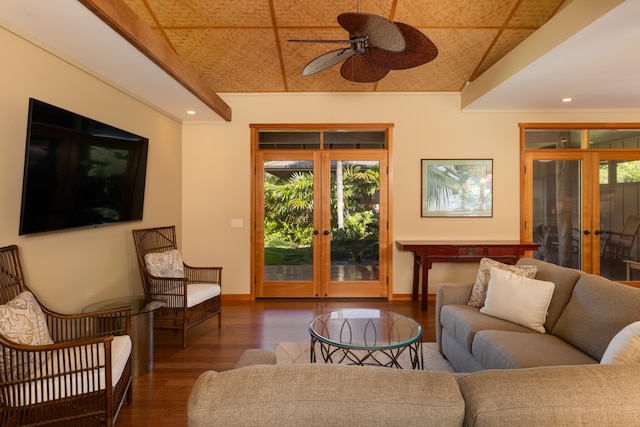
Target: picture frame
<point>457,188</point>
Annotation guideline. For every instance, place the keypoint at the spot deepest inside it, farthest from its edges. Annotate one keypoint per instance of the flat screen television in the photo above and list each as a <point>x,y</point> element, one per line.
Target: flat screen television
<point>79,172</point>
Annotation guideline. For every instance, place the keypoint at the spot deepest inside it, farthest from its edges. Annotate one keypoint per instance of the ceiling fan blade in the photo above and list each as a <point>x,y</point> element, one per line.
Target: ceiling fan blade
<point>382,33</point>
<point>360,69</point>
<point>323,41</point>
<point>420,50</point>
<point>327,60</point>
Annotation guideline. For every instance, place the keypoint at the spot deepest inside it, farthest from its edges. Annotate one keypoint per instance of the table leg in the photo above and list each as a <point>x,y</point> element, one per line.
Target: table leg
<point>142,342</point>
<point>425,284</point>
<point>312,350</point>
<point>416,275</point>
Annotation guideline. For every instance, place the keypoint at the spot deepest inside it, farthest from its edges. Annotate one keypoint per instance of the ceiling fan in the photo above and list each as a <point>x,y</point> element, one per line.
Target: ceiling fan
<point>376,46</point>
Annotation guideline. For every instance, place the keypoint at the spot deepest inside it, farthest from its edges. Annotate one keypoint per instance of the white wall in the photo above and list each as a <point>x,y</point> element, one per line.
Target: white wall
<point>216,175</point>
<point>68,270</point>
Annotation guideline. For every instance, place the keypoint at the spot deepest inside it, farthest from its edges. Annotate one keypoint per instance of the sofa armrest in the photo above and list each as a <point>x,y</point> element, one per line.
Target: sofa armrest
<point>256,356</point>
<point>449,293</point>
<point>553,395</point>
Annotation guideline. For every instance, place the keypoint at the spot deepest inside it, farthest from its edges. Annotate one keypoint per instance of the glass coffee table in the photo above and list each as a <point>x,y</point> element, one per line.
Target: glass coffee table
<point>366,337</point>
<point>142,309</point>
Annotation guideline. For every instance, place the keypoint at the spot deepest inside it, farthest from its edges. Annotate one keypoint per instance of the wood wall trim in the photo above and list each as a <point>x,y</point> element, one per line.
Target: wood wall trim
<point>118,16</point>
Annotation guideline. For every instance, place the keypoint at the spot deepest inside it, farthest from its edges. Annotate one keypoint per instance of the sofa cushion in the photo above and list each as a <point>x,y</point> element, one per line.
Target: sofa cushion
<point>624,347</point>
<point>458,356</point>
<point>564,278</point>
<point>518,299</point>
<point>597,311</point>
<point>479,290</point>
<point>511,350</point>
<point>595,395</point>
<point>462,322</point>
<point>324,395</point>
<point>256,356</point>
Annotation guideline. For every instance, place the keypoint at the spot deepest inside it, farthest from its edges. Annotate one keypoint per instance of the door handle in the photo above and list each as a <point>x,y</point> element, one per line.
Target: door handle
<point>596,232</point>
<point>316,232</point>
<point>325,232</point>
<point>586,232</point>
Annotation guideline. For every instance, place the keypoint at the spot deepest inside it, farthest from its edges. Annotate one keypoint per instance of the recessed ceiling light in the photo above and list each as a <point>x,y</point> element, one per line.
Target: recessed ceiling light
<point>567,99</point>
<point>191,112</point>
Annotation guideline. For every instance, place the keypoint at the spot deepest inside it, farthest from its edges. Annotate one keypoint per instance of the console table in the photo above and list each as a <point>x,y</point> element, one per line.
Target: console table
<point>427,252</point>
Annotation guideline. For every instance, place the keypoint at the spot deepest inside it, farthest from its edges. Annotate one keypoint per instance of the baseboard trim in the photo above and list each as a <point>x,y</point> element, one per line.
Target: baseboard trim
<point>395,297</point>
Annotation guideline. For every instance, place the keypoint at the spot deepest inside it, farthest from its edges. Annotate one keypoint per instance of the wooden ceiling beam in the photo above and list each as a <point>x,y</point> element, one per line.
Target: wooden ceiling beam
<point>117,15</point>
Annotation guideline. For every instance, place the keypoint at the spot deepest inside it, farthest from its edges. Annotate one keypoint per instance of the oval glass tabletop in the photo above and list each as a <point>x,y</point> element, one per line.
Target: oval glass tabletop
<point>139,304</point>
<point>365,329</point>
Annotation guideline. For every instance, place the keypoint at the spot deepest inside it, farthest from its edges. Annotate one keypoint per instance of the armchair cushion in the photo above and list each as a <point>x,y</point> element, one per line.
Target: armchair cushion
<point>196,293</point>
<point>71,373</point>
<point>165,264</point>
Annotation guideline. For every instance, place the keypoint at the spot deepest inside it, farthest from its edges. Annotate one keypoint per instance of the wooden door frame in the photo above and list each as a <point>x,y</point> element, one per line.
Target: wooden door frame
<point>590,181</point>
<point>386,246</point>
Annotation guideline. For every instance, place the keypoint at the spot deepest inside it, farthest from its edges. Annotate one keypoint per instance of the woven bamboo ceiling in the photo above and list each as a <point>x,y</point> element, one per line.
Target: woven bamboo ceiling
<point>241,45</point>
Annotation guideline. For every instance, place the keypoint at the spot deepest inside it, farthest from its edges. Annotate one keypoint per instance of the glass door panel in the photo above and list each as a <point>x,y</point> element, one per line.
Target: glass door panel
<point>287,262</point>
<point>355,220</point>
<point>288,220</point>
<point>619,182</point>
<point>557,217</point>
<point>354,258</point>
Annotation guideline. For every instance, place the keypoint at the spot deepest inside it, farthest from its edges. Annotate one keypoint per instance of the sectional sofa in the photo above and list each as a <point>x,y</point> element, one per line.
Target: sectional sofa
<point>261,393</point>
<point>550,378</point>
<point>584,314</point>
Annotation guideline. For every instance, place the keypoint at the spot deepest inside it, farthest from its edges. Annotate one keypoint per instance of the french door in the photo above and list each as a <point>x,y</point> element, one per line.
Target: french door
<point>321,224</point>
<point>581,202</point>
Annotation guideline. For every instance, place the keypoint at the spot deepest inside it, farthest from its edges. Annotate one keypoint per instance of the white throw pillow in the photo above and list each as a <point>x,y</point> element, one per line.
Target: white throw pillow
<point>518,299</point>
<point>165,264</point>
<point>624,347</point>
<point>479,290</point>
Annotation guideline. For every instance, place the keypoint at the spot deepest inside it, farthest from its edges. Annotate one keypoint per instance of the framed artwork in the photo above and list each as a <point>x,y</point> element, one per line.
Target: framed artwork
<point>457,188</point>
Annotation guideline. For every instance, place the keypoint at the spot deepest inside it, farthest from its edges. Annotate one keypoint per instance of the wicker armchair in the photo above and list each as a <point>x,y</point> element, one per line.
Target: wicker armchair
<point>81,377</point>
<point>192,294</point>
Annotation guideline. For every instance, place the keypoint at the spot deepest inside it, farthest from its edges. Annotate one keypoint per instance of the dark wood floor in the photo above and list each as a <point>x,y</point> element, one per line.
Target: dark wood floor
<point>160,397</point>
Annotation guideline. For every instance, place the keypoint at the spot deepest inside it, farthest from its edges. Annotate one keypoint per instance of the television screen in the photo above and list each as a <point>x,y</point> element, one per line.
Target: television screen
<point>79,172</point>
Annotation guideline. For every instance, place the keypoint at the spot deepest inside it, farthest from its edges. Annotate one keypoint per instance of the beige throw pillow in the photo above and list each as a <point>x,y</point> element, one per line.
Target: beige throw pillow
<point>518,299</point>
<point>22,321</point>
<point>624,347</point>
<point>479,290</point>
<point>165,264</point>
